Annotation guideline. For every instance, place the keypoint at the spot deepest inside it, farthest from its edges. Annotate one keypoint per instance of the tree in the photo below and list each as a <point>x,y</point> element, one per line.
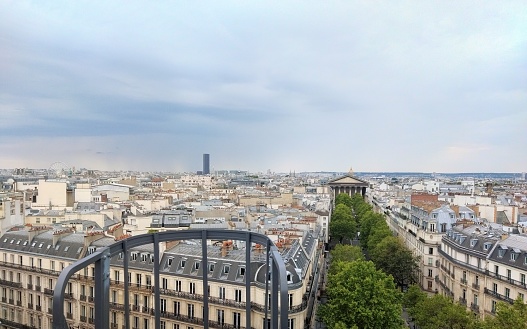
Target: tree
<point>342,224</point>
<point>379,231</point>
<point>393,257</point>
<point>346,253</point>
<point>413,297</point>
<point>343,198</point>
<point>366,223</point>
<point>509,316</point>
<point>362,296</point>
<point>440,312</point>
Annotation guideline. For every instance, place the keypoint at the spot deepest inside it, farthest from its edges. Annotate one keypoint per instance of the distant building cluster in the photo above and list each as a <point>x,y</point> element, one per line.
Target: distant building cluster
<point>48,221</point>
<point>469,234</point>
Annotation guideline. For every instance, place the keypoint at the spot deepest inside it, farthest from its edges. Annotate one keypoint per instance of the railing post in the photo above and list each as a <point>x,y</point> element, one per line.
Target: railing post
<point>126,285</point>
<point>157,301</point>
<point>247,277</point>
<point>205,279</point>
<point>102,290</point>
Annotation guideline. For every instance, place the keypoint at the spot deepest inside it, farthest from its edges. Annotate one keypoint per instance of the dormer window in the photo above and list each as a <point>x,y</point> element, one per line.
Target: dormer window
<point>121,255</point>
<point>134,256</point>
<point>241,271</point>
<point>514,256</point>
<point>501,252</point>
<point>226,269</point>
<point>211,267</point>
<point>182,263</point>
<point>67,248</point>
<point>289,277</point>
<point>196,266</point>
<point>144,257</point>
<point>169,262</point>
<point>487,245</point>
<point>473,242</point>
<point>91,250</point>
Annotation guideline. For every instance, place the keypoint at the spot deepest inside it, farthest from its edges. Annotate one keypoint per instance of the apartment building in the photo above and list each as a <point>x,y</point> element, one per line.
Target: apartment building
<point>32,257</point>
<point>481,265</point>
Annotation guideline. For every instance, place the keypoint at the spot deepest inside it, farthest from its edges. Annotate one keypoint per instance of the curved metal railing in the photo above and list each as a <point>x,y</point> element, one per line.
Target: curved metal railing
<point>277,286</point>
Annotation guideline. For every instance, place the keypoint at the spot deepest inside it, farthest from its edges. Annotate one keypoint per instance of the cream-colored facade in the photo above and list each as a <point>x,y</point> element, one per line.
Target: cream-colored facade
<point>482,265</point>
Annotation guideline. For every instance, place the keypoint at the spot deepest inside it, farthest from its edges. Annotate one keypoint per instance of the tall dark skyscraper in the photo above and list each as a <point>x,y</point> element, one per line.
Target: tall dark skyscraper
<point>206,164</point>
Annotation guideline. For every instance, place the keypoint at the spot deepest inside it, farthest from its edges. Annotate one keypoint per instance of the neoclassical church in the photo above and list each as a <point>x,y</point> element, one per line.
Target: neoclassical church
<point>347,184</point>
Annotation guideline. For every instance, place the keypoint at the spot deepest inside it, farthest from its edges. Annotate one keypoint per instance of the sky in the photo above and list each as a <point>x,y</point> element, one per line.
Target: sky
<point>426,86</point>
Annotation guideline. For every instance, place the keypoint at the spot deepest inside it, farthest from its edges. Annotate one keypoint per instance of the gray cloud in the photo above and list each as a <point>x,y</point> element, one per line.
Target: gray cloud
<point>404,86</point>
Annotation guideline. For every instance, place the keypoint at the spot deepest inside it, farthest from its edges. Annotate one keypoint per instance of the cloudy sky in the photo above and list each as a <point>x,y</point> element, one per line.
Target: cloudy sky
<point>282,85</point>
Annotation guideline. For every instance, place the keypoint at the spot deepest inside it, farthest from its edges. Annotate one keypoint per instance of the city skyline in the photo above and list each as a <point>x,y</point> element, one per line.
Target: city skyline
<point>410,86</point>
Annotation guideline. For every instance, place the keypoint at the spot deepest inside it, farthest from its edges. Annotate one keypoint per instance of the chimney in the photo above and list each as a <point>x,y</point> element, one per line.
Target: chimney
<point>89,237</point>
<point>36,230</point>
<point>58,235</point>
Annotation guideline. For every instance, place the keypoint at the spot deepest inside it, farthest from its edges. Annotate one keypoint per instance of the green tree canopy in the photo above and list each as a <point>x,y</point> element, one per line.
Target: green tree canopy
<point>440,312</point>
<point>346,253</point>
<point>366,224</point>
<point>413,297</point>
<point>362,296</point>
<point>343,198</point>
<point>509,316</point>
<point>379,231</point>
<point>393,257</point>
<point>342,224</point>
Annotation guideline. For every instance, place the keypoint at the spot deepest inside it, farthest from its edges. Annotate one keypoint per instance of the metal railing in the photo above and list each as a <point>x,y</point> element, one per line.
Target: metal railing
<point>276,283</point>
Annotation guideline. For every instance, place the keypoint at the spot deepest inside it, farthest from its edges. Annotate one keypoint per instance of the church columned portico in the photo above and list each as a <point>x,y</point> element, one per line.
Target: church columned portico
<point>347,184</point>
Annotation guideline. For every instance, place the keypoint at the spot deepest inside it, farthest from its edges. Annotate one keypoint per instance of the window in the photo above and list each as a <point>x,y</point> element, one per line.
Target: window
<point>495,287</point>
<point>238,295</point>
<point>164,283</point>
<point>430,273</point>
<point>221,317</point>
<point>138,278</point>
<point>182,263</point>
<point>226,269</point>
<point>430,251</point>
<point>196,266</point>
<point>148,281</point>
<point>476,300</point>
<point>169,262</point>
<point>177,308</point>
<point>242,271</point>
<point>211,267</point>
<point>501,252</point>
<point>521,296</point>
<point>290,300</point>
<point>493,306</point>
<point>507,293</point>
<point>522,279</point>
<point>190,311</point>
<point>514,256</point>
<point>192,287</point>
<point>432,227</point>
<point>221,293</point>
<point>144,257</point>
<point>163,303</point>
<point>178,286</point>
<point>237,319</point>
<point>430,261</point>
<point>290,323</point>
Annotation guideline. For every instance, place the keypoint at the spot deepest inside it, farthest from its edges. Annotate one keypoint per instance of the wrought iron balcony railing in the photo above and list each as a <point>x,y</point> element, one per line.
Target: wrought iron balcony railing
<point>276,283</point>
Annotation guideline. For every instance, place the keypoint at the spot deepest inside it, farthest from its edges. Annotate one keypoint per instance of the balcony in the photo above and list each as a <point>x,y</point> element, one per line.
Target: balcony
<point>475,286</point>
<point>69,315</point>
<point>50,310</point>
<point>83,318</point>
<point>29,286</point>
<point>48,291</point>
<point>507,279</point>
<point>499,296</point>
<point>462,301</point>
<point>10,284</point>
<point>13,324</point>
<point>18,303</point>
<point>101,259</point>
<point>37,288</point>
<point>113,325</point>
<point>30,306</point>
<point>474,307</point>
<point>38,308</point>
<point>27,268</point>
<point>12,301</point>
<point>82,298</point>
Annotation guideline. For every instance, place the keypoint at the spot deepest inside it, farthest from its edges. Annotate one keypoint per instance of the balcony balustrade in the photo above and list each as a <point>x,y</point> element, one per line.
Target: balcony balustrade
<point>499,296</point>
<point>276,285</point>
<point>10,283</point>
<point>474,308</point>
